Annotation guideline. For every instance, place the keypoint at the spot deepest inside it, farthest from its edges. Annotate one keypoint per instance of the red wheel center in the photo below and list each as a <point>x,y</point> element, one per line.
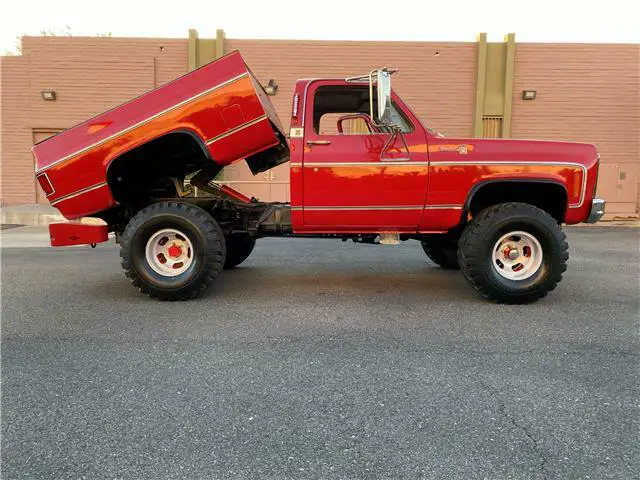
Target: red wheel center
<point>174,251</point>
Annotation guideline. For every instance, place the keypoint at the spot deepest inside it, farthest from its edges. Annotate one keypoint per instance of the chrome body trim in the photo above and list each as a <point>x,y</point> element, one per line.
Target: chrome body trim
<point>359,207</point>
<point>142,122</point>
<point>79,192</point>
<point>399,160</point>
<point>385,163</point>
<point>53,190</point>
<point>597,210</point>
<point>236,129</point>
<point>377,207</point>
<point>443,207</point>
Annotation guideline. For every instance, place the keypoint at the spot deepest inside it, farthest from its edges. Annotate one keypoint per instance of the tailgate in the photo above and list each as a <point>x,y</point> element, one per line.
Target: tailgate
<point>274,156</point>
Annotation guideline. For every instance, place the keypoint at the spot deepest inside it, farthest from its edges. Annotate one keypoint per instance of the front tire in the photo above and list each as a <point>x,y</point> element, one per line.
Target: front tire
<point>513,253</point>
<point>172,250</point>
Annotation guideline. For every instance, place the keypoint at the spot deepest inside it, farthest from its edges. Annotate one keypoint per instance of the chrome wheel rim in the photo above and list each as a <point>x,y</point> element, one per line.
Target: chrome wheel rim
<point>517,255</point>
<point>169,252</point>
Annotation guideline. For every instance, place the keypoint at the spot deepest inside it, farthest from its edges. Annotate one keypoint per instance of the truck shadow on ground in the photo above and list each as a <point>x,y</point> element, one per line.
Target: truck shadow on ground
<point>419,280</point>
<point>245,283</point>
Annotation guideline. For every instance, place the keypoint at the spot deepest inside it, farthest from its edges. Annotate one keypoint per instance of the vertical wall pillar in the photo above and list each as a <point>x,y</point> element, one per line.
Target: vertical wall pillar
<point>204,50</point>
<point>494,87</point>
<point>480,84</point>
<point>193,49</point>
<point>219,43</point>
<point>509,70</point>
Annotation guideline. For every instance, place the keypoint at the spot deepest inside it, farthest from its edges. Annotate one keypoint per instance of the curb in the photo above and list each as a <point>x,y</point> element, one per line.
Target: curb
<point>36,216</point>
<point>30,219</point>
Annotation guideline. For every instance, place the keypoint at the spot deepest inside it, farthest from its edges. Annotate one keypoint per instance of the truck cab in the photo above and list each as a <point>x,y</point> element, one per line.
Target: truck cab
<point>348,174</point>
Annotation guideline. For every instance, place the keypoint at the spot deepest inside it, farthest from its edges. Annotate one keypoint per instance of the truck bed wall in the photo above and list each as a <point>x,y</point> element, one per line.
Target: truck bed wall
<point>218,104</point>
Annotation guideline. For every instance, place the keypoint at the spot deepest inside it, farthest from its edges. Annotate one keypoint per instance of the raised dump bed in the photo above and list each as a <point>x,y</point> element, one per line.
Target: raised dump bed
<point>220,110</point>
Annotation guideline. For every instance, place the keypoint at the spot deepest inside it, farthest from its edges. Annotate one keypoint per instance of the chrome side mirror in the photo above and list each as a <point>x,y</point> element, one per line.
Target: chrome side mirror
<point>382,79</point>
<point>384,96</point>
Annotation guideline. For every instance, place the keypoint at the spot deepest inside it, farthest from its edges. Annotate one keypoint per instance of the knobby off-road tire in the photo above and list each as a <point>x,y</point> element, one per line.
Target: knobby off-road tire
<point>239,247</point>
<point>487,242</point>
<point>172,250</point>
<point>442,251</point>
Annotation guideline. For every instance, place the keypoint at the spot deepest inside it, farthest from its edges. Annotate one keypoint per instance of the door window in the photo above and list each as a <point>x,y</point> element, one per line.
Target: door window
<point>344,110</point>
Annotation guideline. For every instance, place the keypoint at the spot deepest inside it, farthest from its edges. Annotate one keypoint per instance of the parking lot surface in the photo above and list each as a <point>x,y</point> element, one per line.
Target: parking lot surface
<point>320,359</point>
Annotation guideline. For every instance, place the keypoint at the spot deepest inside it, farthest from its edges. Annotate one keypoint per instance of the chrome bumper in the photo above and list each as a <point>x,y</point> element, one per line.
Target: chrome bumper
<point>597,210</point>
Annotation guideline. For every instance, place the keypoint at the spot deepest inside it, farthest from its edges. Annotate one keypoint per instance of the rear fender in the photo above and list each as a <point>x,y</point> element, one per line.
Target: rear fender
<point>192,133</point>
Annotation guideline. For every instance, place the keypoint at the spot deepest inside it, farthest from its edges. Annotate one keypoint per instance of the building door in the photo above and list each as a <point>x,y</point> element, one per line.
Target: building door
<point>38,136</point>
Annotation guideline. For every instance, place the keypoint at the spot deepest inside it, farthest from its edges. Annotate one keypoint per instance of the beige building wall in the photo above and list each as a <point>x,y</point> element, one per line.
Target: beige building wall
<point>17,184</point>
<point>585,93</point>
<point>436,79</point>
<point>89,75</point>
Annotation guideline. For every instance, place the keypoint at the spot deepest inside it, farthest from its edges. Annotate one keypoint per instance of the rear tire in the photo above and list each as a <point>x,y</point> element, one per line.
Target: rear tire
<point>239,247</point>
<point>513,253</point>
<point>172,250</point>
<point>442,251</point>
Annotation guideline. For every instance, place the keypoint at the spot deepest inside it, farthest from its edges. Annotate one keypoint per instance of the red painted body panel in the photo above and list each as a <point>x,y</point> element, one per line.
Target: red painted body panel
<point>218,104</point>
<point>67,234</point>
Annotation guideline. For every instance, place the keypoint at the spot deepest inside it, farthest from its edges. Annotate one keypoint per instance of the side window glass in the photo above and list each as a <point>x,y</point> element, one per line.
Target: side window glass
<point>345,124</point>
<point>344,110</point>
<point>341,110</point>
<point>399,119</point>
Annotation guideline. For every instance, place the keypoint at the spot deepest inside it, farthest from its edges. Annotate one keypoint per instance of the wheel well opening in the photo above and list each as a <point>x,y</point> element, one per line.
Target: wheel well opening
<point>146,171</point>
<point>548,196</point>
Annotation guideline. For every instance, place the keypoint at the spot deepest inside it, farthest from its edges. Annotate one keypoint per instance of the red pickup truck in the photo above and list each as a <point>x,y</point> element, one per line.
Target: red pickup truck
<point>363,167</point>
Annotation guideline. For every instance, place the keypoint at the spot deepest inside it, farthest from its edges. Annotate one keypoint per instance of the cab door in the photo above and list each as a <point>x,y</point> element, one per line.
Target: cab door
<point>351,183</point>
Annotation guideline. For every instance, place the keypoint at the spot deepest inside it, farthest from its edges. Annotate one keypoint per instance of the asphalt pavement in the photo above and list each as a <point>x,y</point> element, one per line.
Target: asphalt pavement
<point>319,359</point>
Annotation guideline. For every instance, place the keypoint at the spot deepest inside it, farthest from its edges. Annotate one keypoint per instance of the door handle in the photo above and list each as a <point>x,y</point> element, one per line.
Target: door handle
<point>318,142</point>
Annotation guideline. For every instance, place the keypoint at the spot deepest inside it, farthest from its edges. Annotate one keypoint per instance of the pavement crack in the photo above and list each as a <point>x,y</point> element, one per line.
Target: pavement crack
<point>502,409</point>
<point>532,439</point>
